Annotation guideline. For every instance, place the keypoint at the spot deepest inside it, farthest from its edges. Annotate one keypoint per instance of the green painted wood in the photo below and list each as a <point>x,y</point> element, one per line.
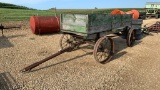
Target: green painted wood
<point>99,22</point>
<point>126,17</point>
<point>89,24</point>
<point>75,28</point>
<point>117,21</point>
<point>126,20</point>
<point>117,18</point>
<point>99,19</point>
<point>74,22</point>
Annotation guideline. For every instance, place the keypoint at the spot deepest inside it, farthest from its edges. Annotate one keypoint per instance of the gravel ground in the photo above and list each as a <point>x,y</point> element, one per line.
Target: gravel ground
<point>132,68</point>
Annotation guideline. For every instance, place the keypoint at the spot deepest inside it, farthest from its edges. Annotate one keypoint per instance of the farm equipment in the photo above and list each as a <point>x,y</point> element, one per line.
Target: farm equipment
<point>152,28</point>
<point>2,28</point>
<point>135,13</point>
<point>152,9</point>
<point>96,29</point>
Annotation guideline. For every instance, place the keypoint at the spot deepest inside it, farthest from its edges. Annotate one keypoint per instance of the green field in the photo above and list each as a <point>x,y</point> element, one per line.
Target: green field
<point>19,13</point>
<point>23,14</point>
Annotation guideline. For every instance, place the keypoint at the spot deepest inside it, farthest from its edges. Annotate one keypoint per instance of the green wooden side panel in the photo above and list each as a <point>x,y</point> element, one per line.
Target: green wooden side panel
<point>126,17</point>
<point>126,20</point>
<point>75,28</point>
<point>74,22</point>
<point>117,21</point>
<point>87,24</point>
<point>99,19</point>
<point>117,18</point>
<point>99,23</point>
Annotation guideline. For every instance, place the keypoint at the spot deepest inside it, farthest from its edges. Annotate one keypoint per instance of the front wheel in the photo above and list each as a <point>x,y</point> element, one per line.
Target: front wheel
<point>66,40</point>
<point>103,49</point>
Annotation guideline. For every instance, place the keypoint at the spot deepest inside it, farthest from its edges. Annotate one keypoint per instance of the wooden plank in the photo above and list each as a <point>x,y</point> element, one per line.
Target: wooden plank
<point>129,24</point>
<point>137,21</point>
<point>74,28</point>
<point>100,28</point>
<point>99,22</point>
<point>117,21</point>
<point>74,22</point>
<point>91,36</point>
<point>126,20</point>
<point>89,24</point>
<point>136,26</point>
<point>99,19</point>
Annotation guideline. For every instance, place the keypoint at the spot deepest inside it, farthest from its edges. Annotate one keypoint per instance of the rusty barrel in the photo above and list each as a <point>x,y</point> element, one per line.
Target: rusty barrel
<point>44,24</point>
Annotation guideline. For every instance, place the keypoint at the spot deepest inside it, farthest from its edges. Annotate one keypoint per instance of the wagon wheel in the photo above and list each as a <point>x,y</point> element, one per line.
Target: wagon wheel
<point>66,40</point>
<point>131,38</point>
<point>103,50</point>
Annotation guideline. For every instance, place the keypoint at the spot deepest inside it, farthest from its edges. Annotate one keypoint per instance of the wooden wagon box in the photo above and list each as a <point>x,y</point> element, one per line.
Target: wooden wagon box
<point>90,24</point>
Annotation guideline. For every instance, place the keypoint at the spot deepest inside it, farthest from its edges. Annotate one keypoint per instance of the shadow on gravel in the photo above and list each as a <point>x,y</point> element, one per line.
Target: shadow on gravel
<point>49,34</point>
<point>5,43</point>
<point>7,82</point>
<point>89,53</point>
<point>120,44</point>
<point>118,55</point>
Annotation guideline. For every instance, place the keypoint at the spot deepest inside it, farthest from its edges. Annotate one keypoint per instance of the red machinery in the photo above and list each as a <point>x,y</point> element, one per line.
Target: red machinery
<point>134,12</point>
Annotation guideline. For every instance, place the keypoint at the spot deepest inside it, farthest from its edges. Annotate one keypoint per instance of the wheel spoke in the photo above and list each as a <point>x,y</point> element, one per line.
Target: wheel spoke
<point>66,44</point>
<point>101,56</point>
<point>67,40</point>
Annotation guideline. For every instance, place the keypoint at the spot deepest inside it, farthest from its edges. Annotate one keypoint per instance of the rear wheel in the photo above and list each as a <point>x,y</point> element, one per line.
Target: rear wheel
<point>131,37</point>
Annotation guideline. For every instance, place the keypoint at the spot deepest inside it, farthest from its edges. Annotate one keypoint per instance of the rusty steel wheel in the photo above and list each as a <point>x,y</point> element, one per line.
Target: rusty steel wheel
<point>66,40</point>
<point>131,38</point>
<point>103,50</point>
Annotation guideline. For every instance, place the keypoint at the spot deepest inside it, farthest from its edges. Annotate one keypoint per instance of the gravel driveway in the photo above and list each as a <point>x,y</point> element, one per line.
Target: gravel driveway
<point>132,68</point>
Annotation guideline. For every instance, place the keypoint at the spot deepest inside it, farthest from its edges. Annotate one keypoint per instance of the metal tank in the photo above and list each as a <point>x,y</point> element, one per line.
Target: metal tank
<point>44,24</point>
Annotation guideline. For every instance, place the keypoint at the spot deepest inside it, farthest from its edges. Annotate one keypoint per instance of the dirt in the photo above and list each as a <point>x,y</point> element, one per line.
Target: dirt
<point>131,68</point>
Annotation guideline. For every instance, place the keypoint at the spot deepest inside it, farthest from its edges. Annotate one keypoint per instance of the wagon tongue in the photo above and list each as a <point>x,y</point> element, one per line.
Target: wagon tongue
<point>30,67</point>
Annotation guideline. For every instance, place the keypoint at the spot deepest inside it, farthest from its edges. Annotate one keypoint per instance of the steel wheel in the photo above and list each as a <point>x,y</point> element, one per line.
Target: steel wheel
<point>131,38</point>
<point>103,49</point>
<point>66,40</point>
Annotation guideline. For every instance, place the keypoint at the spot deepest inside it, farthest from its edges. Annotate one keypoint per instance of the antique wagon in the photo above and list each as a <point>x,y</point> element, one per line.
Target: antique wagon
<point>97,28</point>
<point>78,29</point>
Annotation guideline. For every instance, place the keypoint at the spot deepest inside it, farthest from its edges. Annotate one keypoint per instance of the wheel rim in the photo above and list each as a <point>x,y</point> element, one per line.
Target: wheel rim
<point>66,41</point>
<point>103,50</point>
<point>131,38</point>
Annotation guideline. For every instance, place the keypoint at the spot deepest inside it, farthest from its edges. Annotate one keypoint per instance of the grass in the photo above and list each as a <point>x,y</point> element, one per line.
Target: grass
<point>7,14</point>
<point>21,14</point>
